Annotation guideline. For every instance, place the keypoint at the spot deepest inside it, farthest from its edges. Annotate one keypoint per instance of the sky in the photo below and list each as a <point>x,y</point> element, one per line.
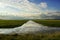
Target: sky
<point>29,9</point>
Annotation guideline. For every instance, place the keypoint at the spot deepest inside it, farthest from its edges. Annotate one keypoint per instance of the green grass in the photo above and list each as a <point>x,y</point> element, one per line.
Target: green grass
<point>53,36</point>
<point>16,23</point>
<point>11,23</point>
<point>51,23</point>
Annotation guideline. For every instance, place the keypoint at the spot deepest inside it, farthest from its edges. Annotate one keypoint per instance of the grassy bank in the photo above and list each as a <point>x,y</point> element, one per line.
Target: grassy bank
<point>16,23</point>
<point>53,36</point>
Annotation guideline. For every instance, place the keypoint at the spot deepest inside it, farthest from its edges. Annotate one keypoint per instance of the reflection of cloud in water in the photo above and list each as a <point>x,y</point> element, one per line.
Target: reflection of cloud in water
<point>6,31</point>
<point>29,27</point>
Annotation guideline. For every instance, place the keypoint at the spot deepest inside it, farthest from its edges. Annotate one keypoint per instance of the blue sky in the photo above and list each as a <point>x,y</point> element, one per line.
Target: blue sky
<point>29,9</point>
<point>52,4</point>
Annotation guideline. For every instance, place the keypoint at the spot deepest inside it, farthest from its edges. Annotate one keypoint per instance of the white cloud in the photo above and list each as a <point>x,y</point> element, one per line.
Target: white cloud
<point>21,8</point>
<point>43,5</point>
<point>25,5</point>
<point>1,4</point>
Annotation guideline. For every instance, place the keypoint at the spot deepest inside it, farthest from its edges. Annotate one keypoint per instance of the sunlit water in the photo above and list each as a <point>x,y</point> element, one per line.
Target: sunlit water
<point>29,27</point>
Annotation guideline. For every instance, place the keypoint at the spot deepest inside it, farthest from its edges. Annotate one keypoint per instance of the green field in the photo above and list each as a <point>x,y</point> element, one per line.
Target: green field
<point>11,23</point>
<point>16,23</point>
<point>51,23</point>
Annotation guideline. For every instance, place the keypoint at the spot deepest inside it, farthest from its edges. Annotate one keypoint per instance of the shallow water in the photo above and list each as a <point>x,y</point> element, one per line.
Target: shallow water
<point>30,29</point>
